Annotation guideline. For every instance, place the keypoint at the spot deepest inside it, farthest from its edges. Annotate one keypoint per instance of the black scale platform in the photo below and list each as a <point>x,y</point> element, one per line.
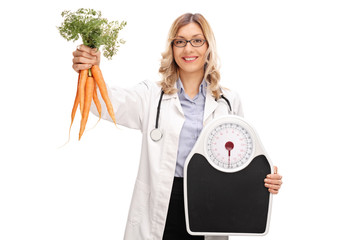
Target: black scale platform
<point>223,202</point>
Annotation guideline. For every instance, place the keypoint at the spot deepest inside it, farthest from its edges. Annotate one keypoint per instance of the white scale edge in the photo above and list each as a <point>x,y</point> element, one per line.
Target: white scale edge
<point>201,148</point>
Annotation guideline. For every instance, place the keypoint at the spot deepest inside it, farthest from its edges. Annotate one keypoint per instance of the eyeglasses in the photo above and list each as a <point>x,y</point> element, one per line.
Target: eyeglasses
<point>194,42</point>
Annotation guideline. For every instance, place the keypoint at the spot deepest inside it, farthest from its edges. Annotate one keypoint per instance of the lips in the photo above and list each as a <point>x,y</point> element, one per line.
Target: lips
<point>189,59</point>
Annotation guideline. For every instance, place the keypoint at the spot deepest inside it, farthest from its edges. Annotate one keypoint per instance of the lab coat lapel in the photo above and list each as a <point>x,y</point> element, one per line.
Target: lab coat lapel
<point>210,105</point>
<point>175,97</point>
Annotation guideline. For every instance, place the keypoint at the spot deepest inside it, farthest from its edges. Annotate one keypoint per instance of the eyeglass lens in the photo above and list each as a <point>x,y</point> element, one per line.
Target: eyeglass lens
<point>193,42</point>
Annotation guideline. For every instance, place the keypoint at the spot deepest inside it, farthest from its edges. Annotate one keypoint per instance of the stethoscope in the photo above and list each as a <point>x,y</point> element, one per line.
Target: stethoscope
<point>156,133</point>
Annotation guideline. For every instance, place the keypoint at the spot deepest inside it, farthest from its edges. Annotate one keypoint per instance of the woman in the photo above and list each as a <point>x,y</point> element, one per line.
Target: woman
<point>190,99</point>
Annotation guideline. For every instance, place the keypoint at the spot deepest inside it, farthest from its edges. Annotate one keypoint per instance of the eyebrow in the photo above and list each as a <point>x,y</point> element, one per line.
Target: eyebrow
<point>192,36</point>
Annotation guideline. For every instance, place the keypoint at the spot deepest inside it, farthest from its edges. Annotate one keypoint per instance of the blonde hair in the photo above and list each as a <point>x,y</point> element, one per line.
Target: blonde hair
<point>169,68</point>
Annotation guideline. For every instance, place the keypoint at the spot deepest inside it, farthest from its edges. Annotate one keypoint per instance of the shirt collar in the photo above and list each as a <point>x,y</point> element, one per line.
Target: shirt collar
<point>202,87</point>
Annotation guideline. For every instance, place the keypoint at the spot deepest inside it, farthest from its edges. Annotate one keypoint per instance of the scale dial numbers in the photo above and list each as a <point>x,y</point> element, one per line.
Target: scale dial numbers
<point>229,146</point>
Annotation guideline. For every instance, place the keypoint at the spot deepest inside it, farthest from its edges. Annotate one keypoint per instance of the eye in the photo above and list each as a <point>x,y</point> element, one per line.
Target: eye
<point>198,41</point>
<point>179,42</point>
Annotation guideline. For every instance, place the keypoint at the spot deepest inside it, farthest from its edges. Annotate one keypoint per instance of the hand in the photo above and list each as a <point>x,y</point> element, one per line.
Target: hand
<point>273,181</point>
<point>85,57</point>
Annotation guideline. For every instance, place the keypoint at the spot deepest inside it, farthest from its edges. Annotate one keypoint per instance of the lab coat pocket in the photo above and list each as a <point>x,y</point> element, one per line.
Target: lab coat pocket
<point>139,203</point>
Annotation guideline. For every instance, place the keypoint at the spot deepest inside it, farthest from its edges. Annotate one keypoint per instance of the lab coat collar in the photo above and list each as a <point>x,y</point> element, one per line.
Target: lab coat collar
<point>181,90</point>
<point>169,96</point>
<point>177,101</point>
<point>178,85</point>
<point>210,104</point>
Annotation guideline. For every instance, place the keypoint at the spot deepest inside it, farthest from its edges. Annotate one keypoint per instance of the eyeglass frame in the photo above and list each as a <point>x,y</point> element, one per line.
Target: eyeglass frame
<point>188,41</point>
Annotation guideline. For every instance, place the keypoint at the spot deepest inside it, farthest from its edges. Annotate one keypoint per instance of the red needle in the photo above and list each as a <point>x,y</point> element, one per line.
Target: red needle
<point>229,146</point>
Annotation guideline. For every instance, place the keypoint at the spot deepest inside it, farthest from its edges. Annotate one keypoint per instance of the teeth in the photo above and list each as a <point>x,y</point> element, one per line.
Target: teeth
<point>189,59</point>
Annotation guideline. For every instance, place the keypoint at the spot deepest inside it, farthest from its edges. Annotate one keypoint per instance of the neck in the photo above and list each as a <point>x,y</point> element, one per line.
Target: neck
<point>191,83</point>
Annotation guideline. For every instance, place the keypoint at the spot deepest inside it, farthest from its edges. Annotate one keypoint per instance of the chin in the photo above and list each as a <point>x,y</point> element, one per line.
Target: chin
<point>194,69</point>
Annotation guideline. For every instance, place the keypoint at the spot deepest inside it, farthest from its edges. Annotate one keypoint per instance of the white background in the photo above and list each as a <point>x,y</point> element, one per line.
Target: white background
<point>294,63</point>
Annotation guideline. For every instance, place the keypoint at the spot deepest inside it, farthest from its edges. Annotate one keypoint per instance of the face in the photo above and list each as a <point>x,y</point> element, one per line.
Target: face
<point>191,60</point>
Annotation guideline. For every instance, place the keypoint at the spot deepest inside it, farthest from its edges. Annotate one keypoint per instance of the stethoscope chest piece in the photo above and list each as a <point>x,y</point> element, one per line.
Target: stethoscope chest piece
<point>155,134</point>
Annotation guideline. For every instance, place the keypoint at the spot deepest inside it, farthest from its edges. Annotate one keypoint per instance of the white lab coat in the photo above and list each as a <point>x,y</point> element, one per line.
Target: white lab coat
<point>136,108</point>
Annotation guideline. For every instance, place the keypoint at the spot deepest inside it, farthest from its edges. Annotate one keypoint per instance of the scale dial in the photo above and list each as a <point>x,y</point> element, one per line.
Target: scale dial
<point>229,147</point>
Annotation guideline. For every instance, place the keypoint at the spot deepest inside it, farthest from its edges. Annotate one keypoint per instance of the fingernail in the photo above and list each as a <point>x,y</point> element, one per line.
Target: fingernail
<point>78,47</point>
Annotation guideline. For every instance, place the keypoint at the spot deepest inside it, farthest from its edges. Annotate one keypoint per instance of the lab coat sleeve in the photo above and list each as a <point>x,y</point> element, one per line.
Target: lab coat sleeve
<point>130,105</point>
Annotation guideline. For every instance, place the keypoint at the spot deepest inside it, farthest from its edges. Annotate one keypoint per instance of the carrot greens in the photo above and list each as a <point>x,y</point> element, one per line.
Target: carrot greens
<point>93,29</point>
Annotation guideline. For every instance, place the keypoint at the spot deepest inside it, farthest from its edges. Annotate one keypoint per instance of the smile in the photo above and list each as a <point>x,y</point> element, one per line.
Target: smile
<point>189,59</point>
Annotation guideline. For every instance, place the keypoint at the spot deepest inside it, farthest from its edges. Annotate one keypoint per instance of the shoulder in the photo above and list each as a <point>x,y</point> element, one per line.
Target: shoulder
<point>148,85</point>
<point>230,94</point>
<point>148,89</point>
<point>234,98</point>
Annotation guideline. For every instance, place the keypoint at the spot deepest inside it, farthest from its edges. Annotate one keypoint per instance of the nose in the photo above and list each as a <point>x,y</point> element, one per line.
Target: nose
<point>188,47</point>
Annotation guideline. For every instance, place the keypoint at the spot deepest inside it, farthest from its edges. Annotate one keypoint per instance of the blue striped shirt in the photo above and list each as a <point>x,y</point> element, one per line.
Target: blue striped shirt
<point>194,113</point>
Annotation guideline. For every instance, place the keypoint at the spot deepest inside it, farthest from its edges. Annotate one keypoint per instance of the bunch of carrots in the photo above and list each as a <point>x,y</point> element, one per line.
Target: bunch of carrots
<point>94,31</point>
<point>88,81</point>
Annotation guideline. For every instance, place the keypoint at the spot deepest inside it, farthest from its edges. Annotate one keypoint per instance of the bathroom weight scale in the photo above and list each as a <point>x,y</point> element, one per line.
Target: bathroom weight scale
<point>224,192</point>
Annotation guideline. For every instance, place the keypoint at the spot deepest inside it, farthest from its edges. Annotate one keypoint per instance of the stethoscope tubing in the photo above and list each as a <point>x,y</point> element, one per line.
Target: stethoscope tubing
<point>156,134</point>
<point>158,109</point>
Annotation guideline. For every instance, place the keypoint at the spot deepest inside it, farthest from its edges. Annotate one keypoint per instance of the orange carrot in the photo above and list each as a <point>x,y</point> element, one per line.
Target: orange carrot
<point>97,104</point>
<point>81,89</point>
<point>76,103</point>
<point>89,91</point>
<point>96,72</point>
<point>96,101</point>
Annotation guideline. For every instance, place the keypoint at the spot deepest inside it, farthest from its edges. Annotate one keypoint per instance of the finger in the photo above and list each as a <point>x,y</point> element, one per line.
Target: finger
<point>84,48</point>
<point>78,53</point>
<point>95,52</point>
<point>273,191</point>
<point>275,169</point>
<point>82,60</point>
<point>272,186</point>
<point>78,67</point>
<point>271,181</point>
<point>274,176</point>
